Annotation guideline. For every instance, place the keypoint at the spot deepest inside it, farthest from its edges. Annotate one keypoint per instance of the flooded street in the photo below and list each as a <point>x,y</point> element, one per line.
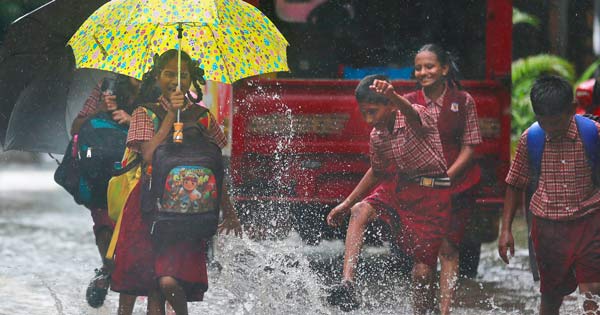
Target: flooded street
<point>47,256</point>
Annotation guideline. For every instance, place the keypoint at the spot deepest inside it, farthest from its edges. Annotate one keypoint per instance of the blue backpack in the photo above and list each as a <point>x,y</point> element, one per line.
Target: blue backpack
<point>536,138</point>
<point>89,161</point>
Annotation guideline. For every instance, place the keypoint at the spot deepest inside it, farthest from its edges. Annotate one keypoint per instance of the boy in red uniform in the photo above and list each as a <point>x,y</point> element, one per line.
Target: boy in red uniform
<point>566,221</point>
<point>414,195</point>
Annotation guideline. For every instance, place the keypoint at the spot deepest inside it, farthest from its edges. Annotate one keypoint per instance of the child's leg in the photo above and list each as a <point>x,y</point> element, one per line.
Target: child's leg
<point>550,304</point>
<point>174,293</point>
<point>126,303</point>
<point>591,291</point>
<point>422,276</point>
<point>156,303</point>
<point>449,272</point>
<point>361,215</point>
<point>103,237</point>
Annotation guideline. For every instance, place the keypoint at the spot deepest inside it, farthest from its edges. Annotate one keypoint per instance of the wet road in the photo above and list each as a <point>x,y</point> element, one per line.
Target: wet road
<point>47,256</point>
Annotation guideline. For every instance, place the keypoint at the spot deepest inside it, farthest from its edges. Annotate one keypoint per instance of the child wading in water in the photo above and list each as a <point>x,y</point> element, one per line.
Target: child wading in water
<point>414,199</point>
<point>456,118</point>
<point>565,196</point>
<point>176,270</point>
<point>119,103</point>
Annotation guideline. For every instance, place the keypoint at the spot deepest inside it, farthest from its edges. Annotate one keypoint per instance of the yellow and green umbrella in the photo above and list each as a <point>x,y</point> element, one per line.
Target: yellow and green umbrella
<point>230,38</point>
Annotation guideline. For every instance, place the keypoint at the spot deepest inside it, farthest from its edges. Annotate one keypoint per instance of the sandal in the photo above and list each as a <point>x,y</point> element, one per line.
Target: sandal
<point>98,288</point>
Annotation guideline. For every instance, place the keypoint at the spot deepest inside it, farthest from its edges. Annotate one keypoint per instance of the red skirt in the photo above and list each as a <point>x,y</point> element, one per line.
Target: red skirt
<point>418,216</point>
<point>186,262</point>
<point>134,254</point>
<point>138,263</point>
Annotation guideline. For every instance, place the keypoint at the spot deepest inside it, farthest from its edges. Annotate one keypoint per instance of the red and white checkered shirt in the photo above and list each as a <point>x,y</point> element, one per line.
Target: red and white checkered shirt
<point>141,128</point>
<point>565,189</point>
<point>92,103</point>
<point>471,133</point>
<point>416,151</point>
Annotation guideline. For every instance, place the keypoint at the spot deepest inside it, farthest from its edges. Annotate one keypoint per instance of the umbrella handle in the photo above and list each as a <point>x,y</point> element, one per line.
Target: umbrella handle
<point>178,126</point>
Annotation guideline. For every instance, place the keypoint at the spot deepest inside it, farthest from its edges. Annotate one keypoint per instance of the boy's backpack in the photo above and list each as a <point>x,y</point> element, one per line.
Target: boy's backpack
<point>183,190</point>
<point>90,159</point>
<point>536,138</point>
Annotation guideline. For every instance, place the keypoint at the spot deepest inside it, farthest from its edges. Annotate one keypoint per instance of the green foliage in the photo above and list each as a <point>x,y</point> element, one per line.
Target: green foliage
<point>524,73</point>
<point>522,17</point>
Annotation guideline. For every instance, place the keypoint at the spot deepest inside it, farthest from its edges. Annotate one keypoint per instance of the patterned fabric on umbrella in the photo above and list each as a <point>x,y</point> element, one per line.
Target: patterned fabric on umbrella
<point>230,38</point>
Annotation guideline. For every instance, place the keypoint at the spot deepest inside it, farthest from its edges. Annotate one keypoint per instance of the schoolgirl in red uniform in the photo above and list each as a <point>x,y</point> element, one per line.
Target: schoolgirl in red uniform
<point>455,114</point>
<point>176,272</point>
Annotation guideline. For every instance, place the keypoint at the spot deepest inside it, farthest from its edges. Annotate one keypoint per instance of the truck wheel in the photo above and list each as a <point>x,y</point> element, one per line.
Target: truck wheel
<point>309,225</point>
<point>469,253</point>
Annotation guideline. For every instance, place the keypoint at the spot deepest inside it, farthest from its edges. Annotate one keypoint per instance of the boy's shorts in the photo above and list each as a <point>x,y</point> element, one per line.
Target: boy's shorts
<point>567,252</point>
<point>101,219</point>
<point>418,216</point>
<point>462,208</point>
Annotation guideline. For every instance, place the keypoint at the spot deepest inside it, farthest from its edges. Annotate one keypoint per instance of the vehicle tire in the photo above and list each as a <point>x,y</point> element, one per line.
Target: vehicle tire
<point>309,223</point>
<point>469,253</point>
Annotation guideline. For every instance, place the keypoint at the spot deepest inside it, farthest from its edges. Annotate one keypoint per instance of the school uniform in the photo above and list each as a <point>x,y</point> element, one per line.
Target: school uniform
<point>566,221</point>
<point>417,215</point>
<point>456,117</point>
<point>138,263</point>
<point>99,215</point>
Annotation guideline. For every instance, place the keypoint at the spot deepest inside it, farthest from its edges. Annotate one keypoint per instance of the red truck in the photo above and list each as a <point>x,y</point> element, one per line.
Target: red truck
<point>299,143</point>
<point>588,97</point>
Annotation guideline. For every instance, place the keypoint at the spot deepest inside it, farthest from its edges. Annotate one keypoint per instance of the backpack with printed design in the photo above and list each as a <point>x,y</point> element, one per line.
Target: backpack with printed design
<point>536,138</point>
<point>183,190</point>
<point>89,161</point>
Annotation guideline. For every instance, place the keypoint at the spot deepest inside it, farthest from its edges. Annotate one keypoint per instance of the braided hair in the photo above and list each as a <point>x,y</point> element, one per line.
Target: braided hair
<point>149,91</point>
<point>446,59</point>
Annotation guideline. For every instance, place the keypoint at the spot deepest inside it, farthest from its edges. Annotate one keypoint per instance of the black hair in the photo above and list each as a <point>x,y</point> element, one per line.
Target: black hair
<point>364,94</point>
<point>551,95</point>
<point>122,88</point>
<point>149,92</point>
<point>124,92</point>
<point>446,59</point>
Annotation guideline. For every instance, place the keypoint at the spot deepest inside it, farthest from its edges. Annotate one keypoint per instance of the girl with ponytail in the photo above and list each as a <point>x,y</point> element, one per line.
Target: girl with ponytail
<point>175,272</point>
<point>439,90</point>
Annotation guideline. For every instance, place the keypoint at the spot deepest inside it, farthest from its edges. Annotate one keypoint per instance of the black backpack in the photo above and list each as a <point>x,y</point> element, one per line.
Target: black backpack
<point>89,162</point>
<point>183,192</point>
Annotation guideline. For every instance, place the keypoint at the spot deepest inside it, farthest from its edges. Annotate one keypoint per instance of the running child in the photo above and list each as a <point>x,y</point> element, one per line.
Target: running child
<point>411,194</point>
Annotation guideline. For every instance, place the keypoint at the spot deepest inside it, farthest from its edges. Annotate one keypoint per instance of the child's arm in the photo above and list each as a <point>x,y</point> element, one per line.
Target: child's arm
<point>512,200</point>
<point>405,107</point>
<point>175,103</point>
<point>148,147</point>
<point>462,161</point>
<point>338,213</point>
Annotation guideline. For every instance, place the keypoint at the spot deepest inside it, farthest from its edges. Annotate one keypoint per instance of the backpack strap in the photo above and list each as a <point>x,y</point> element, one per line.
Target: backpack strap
<point>536,139</point>
<point>588,132</point>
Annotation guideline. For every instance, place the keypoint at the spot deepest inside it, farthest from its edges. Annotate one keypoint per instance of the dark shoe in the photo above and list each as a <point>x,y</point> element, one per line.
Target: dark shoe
<point>344,296</point>
<point>98,287</point>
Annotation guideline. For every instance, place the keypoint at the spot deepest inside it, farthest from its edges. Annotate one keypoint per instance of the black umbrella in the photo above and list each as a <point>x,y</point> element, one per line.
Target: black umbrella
<point>36,74</point>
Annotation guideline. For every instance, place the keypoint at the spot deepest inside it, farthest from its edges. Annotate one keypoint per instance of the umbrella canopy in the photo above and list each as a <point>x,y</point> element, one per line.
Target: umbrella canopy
<point>34,50</point>
<point>230,38</point>
<point>45,109</point>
